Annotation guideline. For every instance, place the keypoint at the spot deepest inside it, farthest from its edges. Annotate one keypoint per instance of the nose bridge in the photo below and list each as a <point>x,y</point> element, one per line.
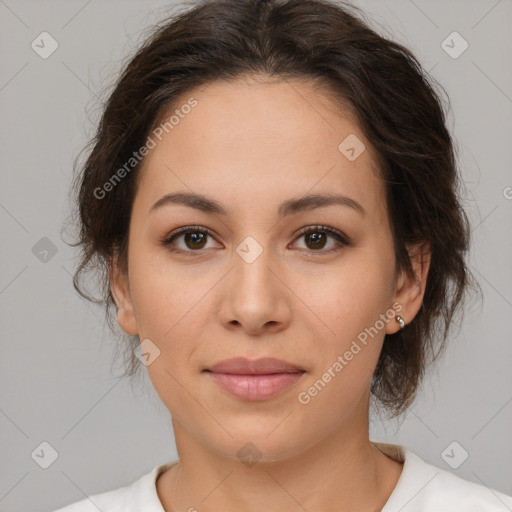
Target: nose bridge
<point>253,269</point>
<point>255,297</point>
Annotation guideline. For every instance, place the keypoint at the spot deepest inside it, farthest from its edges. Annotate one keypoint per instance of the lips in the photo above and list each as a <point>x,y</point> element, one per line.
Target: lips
<point>262,366</point>
<point>259,379</point>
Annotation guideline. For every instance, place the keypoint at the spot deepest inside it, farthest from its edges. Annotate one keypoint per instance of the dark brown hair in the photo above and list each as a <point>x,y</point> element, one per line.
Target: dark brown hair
<point>396,105</point>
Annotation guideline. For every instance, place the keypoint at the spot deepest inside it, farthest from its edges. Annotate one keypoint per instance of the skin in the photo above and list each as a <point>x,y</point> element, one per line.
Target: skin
<point>250,145</point>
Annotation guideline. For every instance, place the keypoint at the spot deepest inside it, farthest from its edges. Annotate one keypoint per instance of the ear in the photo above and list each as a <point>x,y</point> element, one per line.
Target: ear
<point>409,291</point>
<point>119,285</point>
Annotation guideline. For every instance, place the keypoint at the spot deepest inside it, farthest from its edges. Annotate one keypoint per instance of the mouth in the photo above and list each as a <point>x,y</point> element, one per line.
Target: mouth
<point>262,366</point>
<point>258,379</point>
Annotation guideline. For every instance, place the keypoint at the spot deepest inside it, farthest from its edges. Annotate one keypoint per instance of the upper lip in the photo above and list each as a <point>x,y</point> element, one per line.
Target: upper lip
<point>262,366</point>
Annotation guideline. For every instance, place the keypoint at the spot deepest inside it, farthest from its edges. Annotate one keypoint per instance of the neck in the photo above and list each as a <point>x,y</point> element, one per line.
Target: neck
<point>343,471</point>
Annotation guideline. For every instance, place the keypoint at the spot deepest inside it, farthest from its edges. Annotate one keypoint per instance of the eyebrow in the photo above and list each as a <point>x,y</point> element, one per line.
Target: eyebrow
<point>207,205</point>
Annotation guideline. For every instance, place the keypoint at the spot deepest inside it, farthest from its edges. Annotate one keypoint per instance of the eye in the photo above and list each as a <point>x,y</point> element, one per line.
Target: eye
<point>316,238</point>
<point>194,239</point>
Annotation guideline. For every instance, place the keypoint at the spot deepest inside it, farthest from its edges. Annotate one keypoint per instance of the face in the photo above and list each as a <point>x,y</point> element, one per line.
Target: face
<point>263,271</point>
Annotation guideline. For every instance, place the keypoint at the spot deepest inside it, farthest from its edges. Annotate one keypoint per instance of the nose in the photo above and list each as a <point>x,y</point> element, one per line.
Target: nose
<point>254,298</point>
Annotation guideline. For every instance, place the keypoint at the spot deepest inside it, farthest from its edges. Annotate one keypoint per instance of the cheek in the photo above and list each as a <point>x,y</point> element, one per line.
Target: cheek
<point>350,303</point>
<point>344,360</point>
<point>164,296</point>
<point>350,297</point>
<point>169,309</point>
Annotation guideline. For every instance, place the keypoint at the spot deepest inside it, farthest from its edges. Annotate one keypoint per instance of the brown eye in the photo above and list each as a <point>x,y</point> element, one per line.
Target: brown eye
<point>193,239</point>
<point>317,237</point>
<point>315,240</point>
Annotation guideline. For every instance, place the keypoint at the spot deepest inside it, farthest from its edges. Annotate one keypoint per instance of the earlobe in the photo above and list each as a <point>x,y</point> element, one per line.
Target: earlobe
<point>410,289</point>
<point>120,290</point>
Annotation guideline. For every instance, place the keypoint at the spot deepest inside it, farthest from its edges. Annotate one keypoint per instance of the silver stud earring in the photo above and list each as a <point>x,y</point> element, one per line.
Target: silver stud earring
<point>401,321</point>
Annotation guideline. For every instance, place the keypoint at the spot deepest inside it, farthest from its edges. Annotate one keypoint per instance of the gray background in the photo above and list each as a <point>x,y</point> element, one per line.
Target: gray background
<point>56,384</point>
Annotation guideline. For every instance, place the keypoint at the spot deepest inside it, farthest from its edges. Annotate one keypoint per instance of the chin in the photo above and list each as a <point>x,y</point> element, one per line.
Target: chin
<point>251,445</point>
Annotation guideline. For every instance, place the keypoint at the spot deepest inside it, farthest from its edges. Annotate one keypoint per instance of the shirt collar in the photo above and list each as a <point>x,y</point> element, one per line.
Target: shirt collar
<point>142,494</point>
<point>416,474</point>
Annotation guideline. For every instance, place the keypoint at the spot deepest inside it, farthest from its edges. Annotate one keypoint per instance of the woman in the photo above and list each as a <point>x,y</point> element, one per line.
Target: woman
<point>272,198</point>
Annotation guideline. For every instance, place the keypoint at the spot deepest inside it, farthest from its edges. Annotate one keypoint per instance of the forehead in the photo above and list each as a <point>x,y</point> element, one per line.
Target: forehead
<point>257,139</point>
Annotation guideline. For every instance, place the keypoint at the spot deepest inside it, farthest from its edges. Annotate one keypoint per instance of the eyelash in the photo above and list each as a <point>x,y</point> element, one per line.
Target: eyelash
<point>342,239</point>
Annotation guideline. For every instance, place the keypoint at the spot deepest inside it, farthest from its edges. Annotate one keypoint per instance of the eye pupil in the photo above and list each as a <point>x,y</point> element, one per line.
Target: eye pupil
<point>195,238</point>
<point>316,238</point>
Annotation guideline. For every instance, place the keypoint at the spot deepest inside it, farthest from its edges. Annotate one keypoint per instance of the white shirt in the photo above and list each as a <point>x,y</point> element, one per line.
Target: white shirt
<point>420,488</point>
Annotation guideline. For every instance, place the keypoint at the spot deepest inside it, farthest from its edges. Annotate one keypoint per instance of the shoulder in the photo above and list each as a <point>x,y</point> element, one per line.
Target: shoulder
<point>106,501</point>
<point>140,495</point>
<point>455,493</point>
<point>423,487</point>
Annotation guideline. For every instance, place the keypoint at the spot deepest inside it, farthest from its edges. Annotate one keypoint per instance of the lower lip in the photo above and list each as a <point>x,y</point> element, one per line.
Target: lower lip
<point>256,387</point>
